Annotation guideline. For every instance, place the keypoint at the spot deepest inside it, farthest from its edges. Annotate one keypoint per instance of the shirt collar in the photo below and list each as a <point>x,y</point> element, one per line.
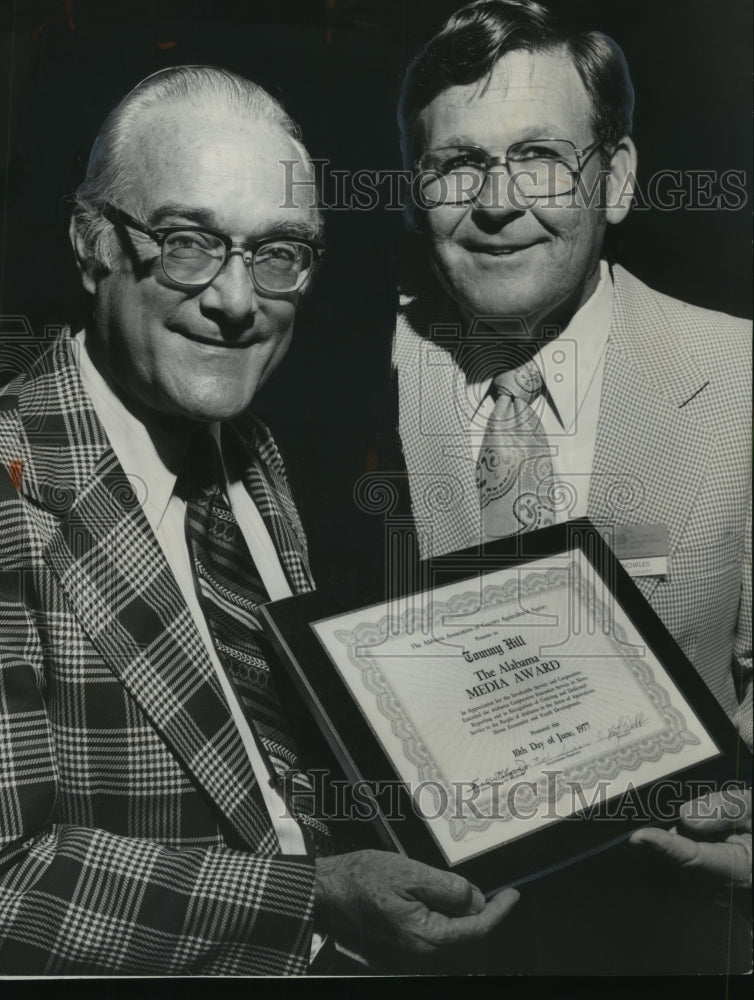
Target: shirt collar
<point>150,455</point>
<point>568,362</point>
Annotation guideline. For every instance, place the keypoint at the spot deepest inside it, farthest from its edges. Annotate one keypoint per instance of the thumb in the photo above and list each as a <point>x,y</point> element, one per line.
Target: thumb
<point>728,861</point>
<point>678,850</point>
<point>449,894</point>
<point>717,814</point>
<point>478,902</point>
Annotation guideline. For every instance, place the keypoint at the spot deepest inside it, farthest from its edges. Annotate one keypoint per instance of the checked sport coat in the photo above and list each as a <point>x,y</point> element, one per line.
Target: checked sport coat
<point>673,447</point>
<point>130,840</point>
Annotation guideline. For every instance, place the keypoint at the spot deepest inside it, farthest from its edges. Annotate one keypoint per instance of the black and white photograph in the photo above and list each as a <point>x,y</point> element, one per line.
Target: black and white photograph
<point>375,491</point>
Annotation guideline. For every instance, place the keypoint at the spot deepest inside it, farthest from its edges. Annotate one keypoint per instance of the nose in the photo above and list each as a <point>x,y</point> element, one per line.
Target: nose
<point>499,197</point>
<point>232,294</point>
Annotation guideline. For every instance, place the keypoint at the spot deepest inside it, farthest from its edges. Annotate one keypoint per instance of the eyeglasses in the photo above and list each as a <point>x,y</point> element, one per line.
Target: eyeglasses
<point>194,256</point>
<point>538,168</point>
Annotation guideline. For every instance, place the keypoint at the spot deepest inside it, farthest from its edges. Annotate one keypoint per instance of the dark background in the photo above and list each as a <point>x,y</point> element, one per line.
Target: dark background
<point>337,67</point>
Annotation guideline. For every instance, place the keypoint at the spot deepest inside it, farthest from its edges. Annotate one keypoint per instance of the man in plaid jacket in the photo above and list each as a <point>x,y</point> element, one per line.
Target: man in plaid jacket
<point>138,833</point>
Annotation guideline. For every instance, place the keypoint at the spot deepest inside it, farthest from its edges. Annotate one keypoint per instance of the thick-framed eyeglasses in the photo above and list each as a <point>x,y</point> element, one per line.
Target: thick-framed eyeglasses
<point>537,168</point>
<point>194,256</point>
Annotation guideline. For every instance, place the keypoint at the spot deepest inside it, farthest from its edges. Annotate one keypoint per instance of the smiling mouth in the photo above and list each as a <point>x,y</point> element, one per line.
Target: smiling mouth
<point>493,251</point>
<point>232,345</point>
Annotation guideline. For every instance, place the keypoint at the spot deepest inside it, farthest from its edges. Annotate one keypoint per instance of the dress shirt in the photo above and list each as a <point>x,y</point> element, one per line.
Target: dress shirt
<point>571,366</point>
<point>150,459</point>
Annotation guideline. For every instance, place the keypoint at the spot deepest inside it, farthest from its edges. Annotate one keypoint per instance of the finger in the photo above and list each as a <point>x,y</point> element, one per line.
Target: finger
<point>478,902</point>
<point>702,828</point>
<point>717,814</point>
<point>500,905</point>
<point>678,850</point>
<point>726,861</point>
<point>444,931</point>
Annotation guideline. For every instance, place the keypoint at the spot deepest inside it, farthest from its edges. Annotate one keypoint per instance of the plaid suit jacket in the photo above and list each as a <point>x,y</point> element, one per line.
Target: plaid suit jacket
<point>130,840</point>
<point>672,447</point>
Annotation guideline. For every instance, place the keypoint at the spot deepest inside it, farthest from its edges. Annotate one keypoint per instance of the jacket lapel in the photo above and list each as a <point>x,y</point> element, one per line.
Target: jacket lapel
<point>650,454</point>
<point>433,422</point>
<point>121,589</point>
<point>264,478</point>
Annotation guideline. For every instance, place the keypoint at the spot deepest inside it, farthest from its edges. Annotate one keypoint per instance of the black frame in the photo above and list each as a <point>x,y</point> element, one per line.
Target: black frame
<point>361,757</point>
<point>117,216</point>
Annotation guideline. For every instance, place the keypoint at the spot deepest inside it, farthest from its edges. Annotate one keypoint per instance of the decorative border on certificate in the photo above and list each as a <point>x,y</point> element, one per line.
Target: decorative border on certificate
<point>598,668</point>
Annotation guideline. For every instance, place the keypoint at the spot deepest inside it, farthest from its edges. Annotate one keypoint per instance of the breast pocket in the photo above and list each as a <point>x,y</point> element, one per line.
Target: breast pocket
<point>720,555</point>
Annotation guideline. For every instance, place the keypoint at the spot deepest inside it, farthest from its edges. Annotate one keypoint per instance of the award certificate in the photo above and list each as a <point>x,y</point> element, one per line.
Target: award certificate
<point>505,704</point>
<point>525,700</point>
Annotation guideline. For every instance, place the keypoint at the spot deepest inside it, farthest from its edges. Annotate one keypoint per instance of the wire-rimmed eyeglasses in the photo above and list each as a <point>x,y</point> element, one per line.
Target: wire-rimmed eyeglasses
<point>538,168</point>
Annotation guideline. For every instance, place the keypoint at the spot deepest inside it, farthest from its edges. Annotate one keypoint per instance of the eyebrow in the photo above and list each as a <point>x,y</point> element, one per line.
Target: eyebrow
<point>172,211</point>
<point>546,132</point>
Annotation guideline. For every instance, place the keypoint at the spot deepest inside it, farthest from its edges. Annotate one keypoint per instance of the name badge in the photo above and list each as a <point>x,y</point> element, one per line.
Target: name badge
<point>642,548</point>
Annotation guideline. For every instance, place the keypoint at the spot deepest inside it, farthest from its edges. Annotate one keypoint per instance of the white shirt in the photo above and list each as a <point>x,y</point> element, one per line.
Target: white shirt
<point>151,463</point>
<point>571,366</point>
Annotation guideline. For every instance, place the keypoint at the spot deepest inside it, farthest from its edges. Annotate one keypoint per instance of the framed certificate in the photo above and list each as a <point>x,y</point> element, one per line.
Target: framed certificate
<point>523,706</point>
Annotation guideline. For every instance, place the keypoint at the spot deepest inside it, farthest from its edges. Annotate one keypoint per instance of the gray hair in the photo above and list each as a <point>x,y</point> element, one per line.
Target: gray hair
<point>107,177</point>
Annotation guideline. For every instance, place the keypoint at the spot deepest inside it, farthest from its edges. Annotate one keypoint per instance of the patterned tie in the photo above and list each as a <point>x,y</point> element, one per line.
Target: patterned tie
<point>514,464</point>
<point>230,591</point>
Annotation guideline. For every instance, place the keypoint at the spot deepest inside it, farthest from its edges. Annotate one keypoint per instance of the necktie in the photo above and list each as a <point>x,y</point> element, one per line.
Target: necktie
<point>514,466</point>
<point>230,591</point>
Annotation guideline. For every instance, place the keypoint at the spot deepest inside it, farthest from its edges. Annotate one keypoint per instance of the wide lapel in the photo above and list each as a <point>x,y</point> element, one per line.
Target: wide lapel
<point>650,453</point>
<point>433,419</point>
<point>264,477</point>
<point>120,587</point>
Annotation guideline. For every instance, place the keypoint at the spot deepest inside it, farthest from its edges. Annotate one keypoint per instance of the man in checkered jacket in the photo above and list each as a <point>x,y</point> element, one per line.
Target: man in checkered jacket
<point>517,131</point>
<point>140,831</point>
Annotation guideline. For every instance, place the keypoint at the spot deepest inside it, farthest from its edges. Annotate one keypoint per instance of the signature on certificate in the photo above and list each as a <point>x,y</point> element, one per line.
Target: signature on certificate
<point>622,727</point>
<point>502,777</point>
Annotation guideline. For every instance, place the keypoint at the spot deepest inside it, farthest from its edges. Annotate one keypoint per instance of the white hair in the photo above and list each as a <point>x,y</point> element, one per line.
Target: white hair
<point>108,170</point>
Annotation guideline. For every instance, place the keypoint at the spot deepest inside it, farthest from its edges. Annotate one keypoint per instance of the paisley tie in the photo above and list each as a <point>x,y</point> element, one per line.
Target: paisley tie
<point>514,469</point>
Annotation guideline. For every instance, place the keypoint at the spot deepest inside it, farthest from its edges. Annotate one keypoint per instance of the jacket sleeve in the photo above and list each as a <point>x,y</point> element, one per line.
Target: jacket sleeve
<point>75,899</point>
<point>80,900</point>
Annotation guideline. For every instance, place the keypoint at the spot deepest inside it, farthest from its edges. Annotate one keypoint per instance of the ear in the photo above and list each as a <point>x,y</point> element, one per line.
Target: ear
<point>84,262</point>
<point>621,182</point>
